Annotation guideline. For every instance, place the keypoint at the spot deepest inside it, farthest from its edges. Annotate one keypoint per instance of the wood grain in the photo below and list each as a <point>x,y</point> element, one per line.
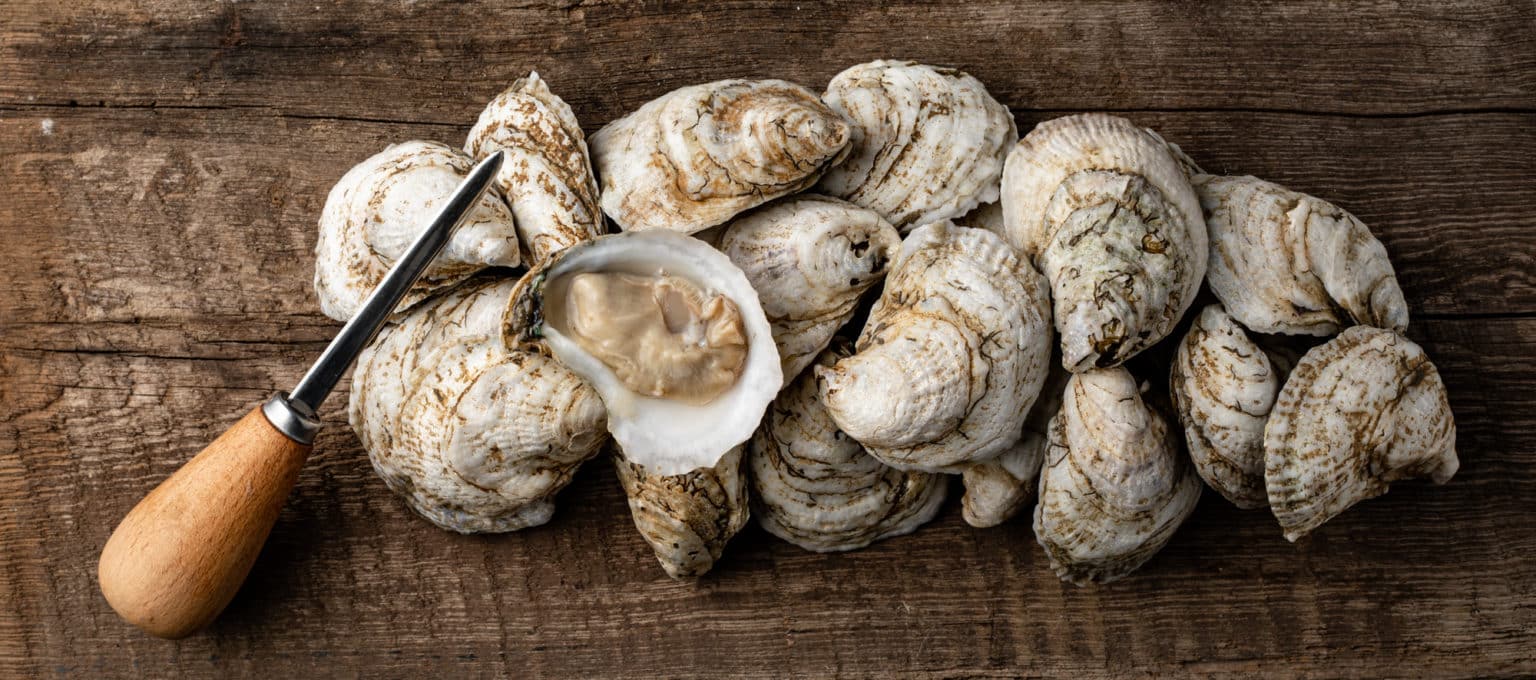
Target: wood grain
<point>163,165</point>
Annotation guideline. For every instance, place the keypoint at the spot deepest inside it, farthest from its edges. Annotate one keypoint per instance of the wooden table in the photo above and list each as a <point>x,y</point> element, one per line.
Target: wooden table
<point>162,165</point>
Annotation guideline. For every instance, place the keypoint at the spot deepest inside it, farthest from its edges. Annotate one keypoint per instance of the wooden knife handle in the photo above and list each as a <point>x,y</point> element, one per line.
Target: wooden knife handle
<point>181,554</point>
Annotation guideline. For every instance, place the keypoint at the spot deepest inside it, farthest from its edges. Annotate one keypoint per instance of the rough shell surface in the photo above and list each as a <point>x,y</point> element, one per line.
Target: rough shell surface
<point>687,519</point>
<point>699,155</point>
<point>1115,486</point>
<point>1224,385</point>
<point>953,352</point>
<point>669,437</point>
<point>809,258</point>
<point>1109,216</point>
<point>1285,262</point>
<point>816,487</point>
<point>474,436</point>
<point>927,142</point>
<point>1359,412</point>
<point>381,205</point>
<point>547,176</point>
<point>997,489</point>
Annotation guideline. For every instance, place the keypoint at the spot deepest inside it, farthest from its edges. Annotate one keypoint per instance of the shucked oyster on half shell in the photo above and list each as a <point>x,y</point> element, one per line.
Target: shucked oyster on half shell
<point>382,204</point>
<point>668,331</point>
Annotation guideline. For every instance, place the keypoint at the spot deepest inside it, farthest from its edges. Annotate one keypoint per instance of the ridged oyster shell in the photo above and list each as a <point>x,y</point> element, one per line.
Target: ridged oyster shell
<point>1285,262</point>
<point>1115,486</point>
<point>1359,412</point>
<point>997,489</point>
<point>1223,385</point>
<point>376,210</point>
<point>687,519</point>
<point>809,258</point>
<point>547,176</point>
<point>816,487</point>
<point>697,156</point>
<point>667,436</point>
<point>1110,218</point>
<point>927,142</point>
<point>474,436</point>
<point>954,350</point>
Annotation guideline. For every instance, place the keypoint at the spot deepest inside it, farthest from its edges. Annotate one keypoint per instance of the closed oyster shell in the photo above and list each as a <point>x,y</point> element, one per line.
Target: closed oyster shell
<point>816,487</point>
<point>954,350</point>
<point>1109,216</point>
<point>809,258</point>
<point>997,489</point>
<point>1224,385</point>
<point>1115,486</point>
<point>687,519</point>
<point>381,205</point>
<point>1359,412</point>
<point>697,156</point>
<point>474,436</point>
<point>547,176</point>
<point>927,142</point>
<point>1285,262</point>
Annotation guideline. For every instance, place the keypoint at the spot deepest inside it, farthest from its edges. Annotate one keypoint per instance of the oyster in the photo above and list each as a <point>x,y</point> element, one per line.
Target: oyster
<point>809,258</point>
<point>1223,386</point>
<point>1359,412</point>
<point>816,487</point>
<point>1115,486</point>
<point>954,350</point>
<point>1110,218</point>
<point>699,155</point>
<point>381,205</point>
<point>668,331</point>
<point>1285,262</point>
<point>687,518</point>
<point>476,437</point>
<point>547,176</point>
<point>997,489</point>
<point>927,143</point>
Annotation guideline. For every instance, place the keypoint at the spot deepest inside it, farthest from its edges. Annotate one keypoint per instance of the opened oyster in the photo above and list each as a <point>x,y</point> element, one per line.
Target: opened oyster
<point>1224,385</point>
<point>809,258</point>
<point>476,437</point>
<point>668,331</point>
<point>1110,218</point>
<point>997,489</point>
<point>687,518</point>
<point>816,487</point>
<point>547,176</point>
<point>1359,412</point>
<point>953,352</point>
<point>381,205</point>
<point>1285,262</point>
<point>927,143</point>
<point>699,155</point>
<point>1115,486</point>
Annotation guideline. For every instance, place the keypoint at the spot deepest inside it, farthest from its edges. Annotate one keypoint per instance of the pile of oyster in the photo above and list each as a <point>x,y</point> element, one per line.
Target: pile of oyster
<point>814,309</point>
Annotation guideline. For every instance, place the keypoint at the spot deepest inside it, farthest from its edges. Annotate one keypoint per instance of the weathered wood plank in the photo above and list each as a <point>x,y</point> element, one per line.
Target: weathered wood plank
<point>1440,578</point>
<point>438,61</point>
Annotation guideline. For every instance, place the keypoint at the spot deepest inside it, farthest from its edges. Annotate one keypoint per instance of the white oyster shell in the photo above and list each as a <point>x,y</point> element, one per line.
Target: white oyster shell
<point>1223,386</point>
<point>697,156</point>
<point>1115,486</point>
<point>1359,412</point>
<point>953,352</point>
<point>809,258</point>
<point>547,176</point>
<point>667,436</point>
<point>381,205</point>
<point>997,489</point>
<point>1110,218</point>
<point>816,487</point>
<point>1285,262</point>
<point>687,519</point>
<point>927,142</point>
<point>474,436</point>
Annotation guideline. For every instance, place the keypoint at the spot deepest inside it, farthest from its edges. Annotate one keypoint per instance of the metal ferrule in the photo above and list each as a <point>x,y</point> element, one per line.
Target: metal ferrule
<point>291,418</point>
